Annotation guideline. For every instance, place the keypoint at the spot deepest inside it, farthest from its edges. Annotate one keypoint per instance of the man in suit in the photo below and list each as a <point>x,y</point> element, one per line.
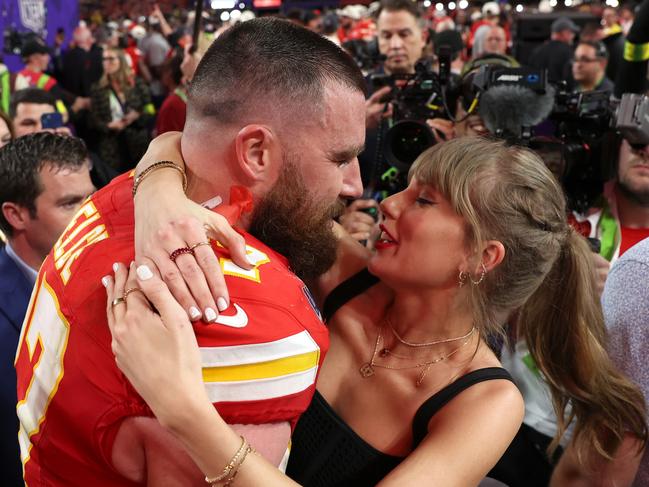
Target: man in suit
<point>44,179</point>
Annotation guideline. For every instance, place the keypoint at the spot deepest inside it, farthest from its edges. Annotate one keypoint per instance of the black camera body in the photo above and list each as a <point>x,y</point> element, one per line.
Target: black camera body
<point>415,98</point>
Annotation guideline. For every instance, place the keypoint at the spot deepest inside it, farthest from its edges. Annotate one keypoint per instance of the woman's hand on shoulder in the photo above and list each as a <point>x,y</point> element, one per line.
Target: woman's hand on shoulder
<point>166,220</point>
<point>156,351</point>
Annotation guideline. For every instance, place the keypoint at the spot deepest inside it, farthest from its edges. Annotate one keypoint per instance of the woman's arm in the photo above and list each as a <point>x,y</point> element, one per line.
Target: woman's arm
<point>466,438</point>
<point>174,388</point>
<point>175,222</point>
<point>100,113</point>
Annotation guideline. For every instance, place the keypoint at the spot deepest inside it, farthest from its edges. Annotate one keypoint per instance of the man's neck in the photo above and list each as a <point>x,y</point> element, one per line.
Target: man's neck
<point>25,252</point>
<point>201,192</point>
<point>631,214</point>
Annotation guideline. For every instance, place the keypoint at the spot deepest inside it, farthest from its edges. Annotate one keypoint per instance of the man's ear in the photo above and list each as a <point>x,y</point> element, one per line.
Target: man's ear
<point>257,148</point>
<point>16,215</point>
<point>493,254</point>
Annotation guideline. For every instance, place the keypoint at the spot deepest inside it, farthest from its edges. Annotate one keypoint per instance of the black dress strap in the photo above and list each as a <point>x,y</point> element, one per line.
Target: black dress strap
<point>433,404</point>
<point>346,291</point>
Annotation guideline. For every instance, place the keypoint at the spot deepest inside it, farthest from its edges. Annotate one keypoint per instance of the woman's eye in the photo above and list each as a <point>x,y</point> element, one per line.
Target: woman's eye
<point>424,201</point>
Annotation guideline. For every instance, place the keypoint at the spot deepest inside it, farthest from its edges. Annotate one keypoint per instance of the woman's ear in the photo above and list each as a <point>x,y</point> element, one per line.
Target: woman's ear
<point>257,148</point>
<point>493,254</point>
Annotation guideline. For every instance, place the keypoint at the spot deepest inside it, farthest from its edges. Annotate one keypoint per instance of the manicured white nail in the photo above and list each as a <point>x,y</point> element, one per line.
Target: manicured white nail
<point>210,314</point>
<point>194,313</point>
<point>144,273</point>
<point>105,281</point>
<point>222,304</point>
<point>115,267</point>
<point>250,261</point>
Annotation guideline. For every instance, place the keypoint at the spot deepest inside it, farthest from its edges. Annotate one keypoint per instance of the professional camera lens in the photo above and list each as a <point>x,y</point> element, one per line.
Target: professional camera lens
<point>405,141</point>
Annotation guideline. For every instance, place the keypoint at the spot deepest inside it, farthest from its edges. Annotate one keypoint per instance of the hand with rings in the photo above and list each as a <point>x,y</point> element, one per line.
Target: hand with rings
<point>158,353</point>
<point>173,236</point>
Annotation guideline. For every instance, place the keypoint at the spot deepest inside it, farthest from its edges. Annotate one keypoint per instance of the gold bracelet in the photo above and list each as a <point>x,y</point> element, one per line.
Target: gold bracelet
<point>153,167</point>
<point>234,462</point>
<point>230,479</point>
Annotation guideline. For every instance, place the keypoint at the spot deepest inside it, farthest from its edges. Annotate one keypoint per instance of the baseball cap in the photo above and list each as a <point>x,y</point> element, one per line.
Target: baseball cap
<point>33,45</point>
<point>564,23</point>
<point>490,9</point>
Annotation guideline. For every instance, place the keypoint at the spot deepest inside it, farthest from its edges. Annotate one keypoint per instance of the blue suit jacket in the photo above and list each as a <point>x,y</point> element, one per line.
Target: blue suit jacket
<point>15,291</point>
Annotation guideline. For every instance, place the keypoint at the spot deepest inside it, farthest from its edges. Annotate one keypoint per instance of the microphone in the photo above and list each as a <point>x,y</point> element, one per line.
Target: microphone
<point>632,73</point>
<point>510,110</point>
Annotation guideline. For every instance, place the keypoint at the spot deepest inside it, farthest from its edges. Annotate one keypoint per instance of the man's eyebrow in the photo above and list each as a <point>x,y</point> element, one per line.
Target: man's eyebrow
<point>346,154</point>
<point>70,198</point>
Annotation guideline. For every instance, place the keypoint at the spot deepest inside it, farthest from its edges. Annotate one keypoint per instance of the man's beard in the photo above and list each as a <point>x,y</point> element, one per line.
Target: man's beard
<point>290,222</point>
<point>638,195</point>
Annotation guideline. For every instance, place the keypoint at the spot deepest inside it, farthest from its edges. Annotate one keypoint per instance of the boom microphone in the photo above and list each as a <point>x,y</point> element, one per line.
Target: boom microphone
<point>509,111</point>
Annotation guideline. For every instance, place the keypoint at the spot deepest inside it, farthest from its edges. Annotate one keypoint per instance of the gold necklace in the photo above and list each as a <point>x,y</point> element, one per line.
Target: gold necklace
<point>367,369</point>
<point>427,344</point>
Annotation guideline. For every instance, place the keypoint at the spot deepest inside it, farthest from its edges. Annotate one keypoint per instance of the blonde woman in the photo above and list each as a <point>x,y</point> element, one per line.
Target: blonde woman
<point>409,393</point>
<point>121,112</point>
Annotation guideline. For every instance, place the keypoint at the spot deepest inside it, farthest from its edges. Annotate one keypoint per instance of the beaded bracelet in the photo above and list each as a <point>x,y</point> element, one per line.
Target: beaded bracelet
<point>153,167</point>
<point>234,463</point>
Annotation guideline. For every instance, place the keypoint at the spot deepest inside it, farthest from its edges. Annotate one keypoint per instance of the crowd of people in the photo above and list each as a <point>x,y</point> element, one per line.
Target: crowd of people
<point>204,280</point>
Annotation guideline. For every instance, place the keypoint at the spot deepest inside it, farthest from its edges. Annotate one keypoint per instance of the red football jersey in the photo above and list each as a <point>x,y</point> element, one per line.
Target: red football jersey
<point>260,360</point>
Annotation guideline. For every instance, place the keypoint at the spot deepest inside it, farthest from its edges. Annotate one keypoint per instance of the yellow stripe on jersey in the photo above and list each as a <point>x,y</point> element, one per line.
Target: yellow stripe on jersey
<point>260,370</point>
<point>257,390</point>
<point>263,370</point>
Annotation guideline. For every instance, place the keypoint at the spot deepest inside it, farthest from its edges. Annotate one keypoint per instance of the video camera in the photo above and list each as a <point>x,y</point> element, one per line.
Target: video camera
<point>577,125</point>
<point>415,98</point>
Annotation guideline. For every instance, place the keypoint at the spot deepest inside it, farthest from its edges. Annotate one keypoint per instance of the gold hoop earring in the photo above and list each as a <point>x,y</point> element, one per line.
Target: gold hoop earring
<point>482,276</point>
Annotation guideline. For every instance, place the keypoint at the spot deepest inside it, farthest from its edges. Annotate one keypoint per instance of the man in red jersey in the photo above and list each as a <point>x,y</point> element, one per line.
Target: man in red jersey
<point>289,130</point>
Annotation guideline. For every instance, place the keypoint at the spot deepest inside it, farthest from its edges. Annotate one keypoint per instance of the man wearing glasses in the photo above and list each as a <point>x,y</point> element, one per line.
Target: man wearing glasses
<point>589,66</point>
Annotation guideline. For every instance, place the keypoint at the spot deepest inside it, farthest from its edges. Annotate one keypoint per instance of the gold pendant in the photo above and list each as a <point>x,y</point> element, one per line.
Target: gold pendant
<point>366,370</point>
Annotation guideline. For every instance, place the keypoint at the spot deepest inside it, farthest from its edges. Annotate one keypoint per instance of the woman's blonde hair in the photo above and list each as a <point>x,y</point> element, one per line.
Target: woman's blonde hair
<point>546,280</point>
<point>124,75</point>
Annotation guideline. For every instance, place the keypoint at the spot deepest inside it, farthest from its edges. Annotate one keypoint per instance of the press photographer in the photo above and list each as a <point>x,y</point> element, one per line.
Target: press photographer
<point>401,41</point>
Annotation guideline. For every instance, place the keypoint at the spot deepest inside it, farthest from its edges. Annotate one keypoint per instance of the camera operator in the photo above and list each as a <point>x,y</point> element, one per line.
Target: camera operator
<point>401,41</point>
<point>622,218</point>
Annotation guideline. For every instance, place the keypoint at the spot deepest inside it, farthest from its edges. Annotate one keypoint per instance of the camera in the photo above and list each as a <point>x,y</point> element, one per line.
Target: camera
<point>571,130</point>
<point>632,119</point>
<point>415,98</point>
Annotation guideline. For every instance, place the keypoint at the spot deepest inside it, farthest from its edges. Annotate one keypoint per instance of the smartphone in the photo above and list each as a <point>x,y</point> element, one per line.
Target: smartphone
<point>52,120</point>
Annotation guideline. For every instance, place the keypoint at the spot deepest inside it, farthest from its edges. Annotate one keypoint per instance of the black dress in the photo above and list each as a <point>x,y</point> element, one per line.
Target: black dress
<point>326,452</point>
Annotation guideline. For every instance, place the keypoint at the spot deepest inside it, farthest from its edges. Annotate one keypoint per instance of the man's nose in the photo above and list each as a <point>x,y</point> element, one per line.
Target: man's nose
<point>352,184</point>
<point>396,42</point>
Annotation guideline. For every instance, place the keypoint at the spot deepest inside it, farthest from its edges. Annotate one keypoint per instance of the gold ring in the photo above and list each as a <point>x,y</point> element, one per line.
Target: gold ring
<point>117,301</point>
<point>207,242</point>
<point>131,290</point>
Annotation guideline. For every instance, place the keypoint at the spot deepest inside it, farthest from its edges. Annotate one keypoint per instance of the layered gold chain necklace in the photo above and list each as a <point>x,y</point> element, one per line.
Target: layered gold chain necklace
<point>367,369</point>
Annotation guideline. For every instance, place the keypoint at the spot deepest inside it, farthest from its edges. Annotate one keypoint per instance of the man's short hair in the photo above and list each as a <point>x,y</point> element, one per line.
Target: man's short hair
<point>21,161</point>
<point>600,49</point>
<point>398,5</point>
<point>30,95</point>
<point>266,64</point>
